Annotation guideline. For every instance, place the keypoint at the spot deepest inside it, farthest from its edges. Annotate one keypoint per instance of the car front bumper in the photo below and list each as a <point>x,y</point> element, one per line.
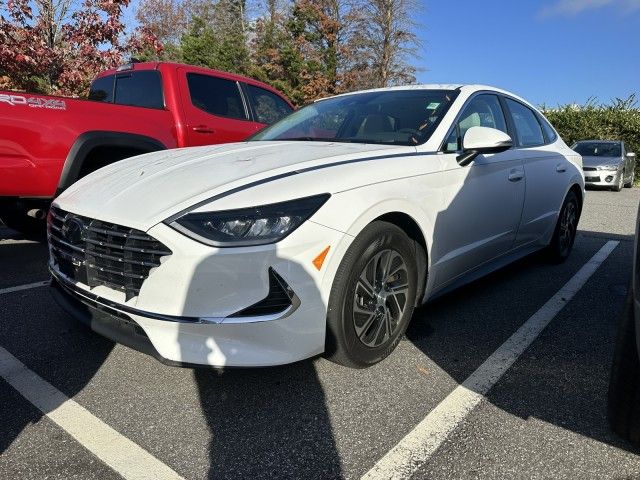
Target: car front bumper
<point>186,311</point>
<point>601,178</point>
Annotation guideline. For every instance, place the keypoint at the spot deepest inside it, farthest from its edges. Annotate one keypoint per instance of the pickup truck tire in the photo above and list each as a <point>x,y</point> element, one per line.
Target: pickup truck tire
<point>624,386</point>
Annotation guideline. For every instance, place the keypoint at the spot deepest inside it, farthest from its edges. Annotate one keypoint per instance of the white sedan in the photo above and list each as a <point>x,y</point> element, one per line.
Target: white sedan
<point>321,234</point>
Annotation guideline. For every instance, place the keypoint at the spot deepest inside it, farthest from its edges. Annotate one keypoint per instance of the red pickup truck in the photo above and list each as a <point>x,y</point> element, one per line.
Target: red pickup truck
<point>47,143</point>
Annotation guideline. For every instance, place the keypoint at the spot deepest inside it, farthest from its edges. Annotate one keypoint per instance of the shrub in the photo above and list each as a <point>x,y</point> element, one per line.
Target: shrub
<point>619,120</point>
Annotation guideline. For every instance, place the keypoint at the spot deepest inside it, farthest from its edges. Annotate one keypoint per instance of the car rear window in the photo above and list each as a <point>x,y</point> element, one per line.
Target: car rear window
<point>138,89</point>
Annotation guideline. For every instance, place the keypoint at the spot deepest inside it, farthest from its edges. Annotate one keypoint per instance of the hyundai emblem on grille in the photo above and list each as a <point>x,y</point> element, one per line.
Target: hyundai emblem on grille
<point>73,230</point>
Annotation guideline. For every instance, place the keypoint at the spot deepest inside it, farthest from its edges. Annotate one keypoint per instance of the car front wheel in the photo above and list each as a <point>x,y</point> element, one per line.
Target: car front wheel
<point>619,182</point>
<point>373,296</point>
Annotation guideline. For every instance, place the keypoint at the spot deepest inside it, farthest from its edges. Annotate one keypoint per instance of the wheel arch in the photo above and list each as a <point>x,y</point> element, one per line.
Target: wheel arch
<point>575,188</point>
<point>90,142</point>
<point>407,224</point>
<point>413,220</point>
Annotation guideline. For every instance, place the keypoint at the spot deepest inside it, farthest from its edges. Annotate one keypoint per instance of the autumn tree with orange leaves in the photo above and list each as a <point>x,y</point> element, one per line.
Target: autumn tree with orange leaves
<point>59,46</point>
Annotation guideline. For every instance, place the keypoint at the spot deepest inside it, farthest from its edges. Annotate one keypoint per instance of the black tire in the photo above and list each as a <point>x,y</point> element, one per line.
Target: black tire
<point>560,247</point>
<point>618,186</point>
<point>352,308</point>
<point>629,184</point>
<point>624,386</point>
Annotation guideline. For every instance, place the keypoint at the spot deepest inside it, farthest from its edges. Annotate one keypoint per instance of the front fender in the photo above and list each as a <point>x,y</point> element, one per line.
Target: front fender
<point>356,214</point>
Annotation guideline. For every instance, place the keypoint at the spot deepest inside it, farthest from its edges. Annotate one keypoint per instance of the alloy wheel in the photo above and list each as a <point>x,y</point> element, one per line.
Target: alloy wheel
<point>380,298</point>
<point>568,225</point>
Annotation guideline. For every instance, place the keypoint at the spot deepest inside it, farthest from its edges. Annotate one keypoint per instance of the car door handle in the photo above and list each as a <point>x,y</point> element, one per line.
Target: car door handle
<point>561,168</point>
<point>202,129</point>
<point>516,175</point>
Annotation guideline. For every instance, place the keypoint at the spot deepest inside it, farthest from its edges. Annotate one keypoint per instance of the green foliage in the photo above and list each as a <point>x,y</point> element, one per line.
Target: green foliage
<point>619,120</point>
<point>200,45</point>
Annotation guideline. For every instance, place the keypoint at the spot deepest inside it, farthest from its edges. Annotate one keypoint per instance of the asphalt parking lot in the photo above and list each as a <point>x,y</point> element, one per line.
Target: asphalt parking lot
<point>545,417</point>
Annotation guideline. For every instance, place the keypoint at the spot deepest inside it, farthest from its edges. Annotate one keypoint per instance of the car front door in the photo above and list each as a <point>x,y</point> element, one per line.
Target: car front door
<point>215,110</point>
<point>482,202</point>
<point>546,169</point>
<point>267,107</point>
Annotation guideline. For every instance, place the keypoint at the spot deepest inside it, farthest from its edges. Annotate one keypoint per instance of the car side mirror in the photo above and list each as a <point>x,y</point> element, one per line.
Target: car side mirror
<point>631,155</point>
<point>482,140</point>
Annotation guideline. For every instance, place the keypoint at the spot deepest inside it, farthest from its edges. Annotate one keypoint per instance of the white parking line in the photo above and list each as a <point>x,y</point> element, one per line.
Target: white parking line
<point>422,442</point>
<point>28,286</point>
<point>118,452</point>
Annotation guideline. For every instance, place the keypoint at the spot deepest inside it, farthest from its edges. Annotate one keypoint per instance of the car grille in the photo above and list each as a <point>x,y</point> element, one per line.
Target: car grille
<point>100,253</point>
<point>589,169</point>
<point>591,179</point>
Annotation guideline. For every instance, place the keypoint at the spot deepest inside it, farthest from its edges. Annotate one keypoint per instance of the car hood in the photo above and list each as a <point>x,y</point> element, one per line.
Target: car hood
<point>142,191</point>
<point>596,161</point>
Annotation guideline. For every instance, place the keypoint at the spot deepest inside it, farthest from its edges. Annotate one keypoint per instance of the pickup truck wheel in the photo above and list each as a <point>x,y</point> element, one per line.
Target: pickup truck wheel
<point>624,386</point>
<point>372,297</point>
<point>21,222</point>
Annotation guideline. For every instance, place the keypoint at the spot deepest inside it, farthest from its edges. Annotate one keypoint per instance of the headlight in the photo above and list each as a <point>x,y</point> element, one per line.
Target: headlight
<point>249,226</point>
<point>608,167</point>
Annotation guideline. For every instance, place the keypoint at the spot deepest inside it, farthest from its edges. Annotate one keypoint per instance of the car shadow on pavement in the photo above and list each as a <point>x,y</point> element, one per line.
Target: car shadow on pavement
<point>40,334</point>
<point>265,422</point>
<point>562,378</point>
<point>268,423</point>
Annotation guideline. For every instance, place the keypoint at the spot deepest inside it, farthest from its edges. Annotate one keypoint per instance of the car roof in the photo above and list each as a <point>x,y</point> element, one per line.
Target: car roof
<point>467,88</point>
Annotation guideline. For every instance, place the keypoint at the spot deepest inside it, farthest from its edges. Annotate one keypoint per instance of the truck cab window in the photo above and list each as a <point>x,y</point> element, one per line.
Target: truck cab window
<point>217,96</point>
<point>139,89</point>
<point>102,89</point>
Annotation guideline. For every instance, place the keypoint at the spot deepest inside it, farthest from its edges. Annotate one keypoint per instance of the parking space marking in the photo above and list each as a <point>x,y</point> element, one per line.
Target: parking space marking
<point>118,452</point>
<point>422,442</point>
<point>28,286</point>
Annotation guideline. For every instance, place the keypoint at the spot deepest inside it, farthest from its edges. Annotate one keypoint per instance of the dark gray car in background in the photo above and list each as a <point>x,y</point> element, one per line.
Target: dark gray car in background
<point>606,163</point>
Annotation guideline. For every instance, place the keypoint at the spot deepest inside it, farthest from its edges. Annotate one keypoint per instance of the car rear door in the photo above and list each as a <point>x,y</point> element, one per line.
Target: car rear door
<point>215,109</point>
<point>484,201</point>
<point>546,169</point>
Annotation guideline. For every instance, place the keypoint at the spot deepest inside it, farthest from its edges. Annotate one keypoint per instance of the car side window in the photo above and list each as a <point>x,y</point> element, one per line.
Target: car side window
<point>482,111</point>
<point>549,133</point>
<point>139,89</point>
<point>102,89</point>
<point>268,107</point>
<point>527,126</point>
<point>217,96</point>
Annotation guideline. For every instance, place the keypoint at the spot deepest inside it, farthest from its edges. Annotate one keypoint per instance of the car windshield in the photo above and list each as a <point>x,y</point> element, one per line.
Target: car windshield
<point>392,117</point>
<point>601,149</point>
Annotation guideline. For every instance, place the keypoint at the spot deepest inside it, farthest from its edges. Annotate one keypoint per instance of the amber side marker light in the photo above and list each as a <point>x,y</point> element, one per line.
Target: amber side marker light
<point>319,260</point>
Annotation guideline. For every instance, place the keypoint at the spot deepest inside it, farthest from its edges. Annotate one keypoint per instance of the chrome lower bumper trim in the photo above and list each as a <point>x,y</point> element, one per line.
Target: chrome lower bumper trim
<point>92,298</point>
